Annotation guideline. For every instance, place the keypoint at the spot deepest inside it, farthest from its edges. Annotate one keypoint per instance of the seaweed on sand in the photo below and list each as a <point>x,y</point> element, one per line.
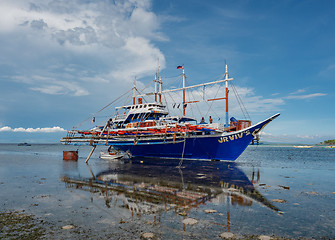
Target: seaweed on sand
<point>19,225</point>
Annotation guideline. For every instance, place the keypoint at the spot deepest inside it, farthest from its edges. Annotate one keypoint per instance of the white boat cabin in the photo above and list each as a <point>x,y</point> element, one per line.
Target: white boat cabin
<point>132,115</point>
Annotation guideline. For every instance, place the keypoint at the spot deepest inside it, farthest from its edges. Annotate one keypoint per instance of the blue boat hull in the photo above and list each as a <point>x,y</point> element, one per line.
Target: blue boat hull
<point>205,147</point>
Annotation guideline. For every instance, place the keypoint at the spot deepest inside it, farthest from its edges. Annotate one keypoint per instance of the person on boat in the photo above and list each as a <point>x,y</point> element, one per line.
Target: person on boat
<point>202,120</point>
<point>210,120</point>
<point>233,121</point>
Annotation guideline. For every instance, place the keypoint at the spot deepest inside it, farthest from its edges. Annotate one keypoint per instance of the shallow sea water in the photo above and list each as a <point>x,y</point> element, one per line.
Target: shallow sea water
<point>124,199</point>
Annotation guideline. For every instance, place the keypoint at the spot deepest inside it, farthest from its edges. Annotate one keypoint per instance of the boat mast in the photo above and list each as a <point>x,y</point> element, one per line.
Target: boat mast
<point>156,79</point>
<point>134,91</point>
<point>160,89</point>
<point>155,87</point>
<point>226,78</point>
<point>184,99</point>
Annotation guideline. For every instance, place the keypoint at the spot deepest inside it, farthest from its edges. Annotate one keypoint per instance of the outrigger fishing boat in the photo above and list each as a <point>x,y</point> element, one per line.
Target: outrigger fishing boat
<point>146,129</point>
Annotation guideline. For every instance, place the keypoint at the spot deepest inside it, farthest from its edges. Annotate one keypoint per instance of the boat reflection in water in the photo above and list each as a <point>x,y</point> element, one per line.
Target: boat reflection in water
<point>147,186</point>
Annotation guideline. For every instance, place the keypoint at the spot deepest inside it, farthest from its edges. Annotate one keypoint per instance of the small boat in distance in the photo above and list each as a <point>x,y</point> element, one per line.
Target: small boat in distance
<point>24,144</point>
<point>147,129</point>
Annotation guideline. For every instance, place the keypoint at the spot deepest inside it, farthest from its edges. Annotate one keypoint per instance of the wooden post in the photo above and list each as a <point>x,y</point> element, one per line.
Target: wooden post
<point>92,142</point>
<point>174,135</point>
<point>107,137</point>
<point>89,155</point>
<point>228,221</point>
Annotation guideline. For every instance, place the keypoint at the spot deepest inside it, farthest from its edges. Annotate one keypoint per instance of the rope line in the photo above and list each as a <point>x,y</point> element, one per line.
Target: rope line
<point>74,127</point>
<point>240,102</point>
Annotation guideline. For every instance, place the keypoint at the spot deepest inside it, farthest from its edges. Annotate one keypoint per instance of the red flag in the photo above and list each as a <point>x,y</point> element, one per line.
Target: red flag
<point>180,67</point>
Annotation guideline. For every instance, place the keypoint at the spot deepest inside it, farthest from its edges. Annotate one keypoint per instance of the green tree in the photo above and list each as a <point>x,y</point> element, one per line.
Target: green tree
<point>329,142</point>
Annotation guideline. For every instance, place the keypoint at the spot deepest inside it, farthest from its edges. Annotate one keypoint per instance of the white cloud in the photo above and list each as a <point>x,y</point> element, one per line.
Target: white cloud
<point>255,103</point>
<point>328,71</point>
<point>141,57</point>
<point>307,96</point>
<point>6,129</point>
<point>33,130</point>
<point>52,86</point>
<point>107,40</point>
<point>146,24</point>
<point>298,91</point>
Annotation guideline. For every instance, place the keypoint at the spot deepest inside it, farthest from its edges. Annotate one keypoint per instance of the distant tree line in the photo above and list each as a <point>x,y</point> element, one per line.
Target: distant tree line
<point>329,142</point>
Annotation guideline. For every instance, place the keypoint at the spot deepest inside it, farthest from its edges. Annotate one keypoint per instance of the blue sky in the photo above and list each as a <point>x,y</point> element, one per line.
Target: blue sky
<point>61,61</point>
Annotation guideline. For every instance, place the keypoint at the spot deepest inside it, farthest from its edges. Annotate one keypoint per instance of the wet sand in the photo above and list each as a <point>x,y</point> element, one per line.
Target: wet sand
<point>271,191</point>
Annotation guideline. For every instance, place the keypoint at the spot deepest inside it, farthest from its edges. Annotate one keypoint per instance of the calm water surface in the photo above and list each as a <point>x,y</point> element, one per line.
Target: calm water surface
<point>269,190</point>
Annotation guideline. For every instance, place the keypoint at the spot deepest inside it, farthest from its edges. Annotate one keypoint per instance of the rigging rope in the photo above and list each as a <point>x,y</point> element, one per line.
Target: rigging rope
<point>240,102</point>
<point>211,105</point>
<point>190,105</point>
<point>74,127</point>
<point>182,155</point>
<point>167,106</point>
<point>197,105</point>
<point>174,102</point>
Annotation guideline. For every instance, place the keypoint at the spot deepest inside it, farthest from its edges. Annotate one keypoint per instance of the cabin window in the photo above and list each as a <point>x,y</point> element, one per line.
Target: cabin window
<point>136,107</point>
<point>145,106</point>
<point>140,106</point>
